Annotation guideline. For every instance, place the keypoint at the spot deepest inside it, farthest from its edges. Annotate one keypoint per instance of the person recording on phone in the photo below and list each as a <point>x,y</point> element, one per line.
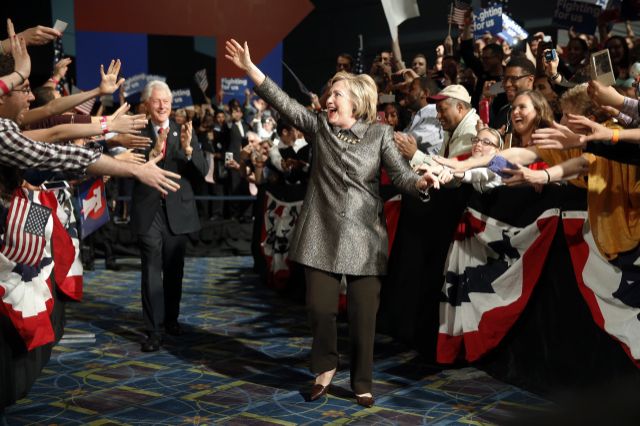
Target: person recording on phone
<point>341,229</point>
<point>162,223</point>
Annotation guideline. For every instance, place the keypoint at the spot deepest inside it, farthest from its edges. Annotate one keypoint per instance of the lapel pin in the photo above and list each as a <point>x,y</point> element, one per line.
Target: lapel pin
<point>175,133</point>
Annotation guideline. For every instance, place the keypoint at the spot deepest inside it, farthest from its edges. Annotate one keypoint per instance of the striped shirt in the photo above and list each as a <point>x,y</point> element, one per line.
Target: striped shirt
<point>17,150</point>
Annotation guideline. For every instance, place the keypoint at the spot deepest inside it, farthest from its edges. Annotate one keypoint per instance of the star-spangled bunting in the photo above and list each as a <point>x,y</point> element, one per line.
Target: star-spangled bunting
<point>24,237</point>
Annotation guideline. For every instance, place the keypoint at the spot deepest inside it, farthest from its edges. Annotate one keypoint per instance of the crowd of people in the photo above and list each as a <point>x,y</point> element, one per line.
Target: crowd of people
<point>486,114</point>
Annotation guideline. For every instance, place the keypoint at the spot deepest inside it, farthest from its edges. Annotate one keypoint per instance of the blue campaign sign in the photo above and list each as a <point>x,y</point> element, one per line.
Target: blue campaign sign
<point>581,15</point>
<point>234,88</point>
<point>181,99</point>
<point>487,20</point>
<point>92,199</point>
<point>134,85</point>
<point>511,31</point>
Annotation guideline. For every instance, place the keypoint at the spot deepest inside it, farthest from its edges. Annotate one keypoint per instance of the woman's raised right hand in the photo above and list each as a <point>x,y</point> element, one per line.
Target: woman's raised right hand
<point>238,54</point>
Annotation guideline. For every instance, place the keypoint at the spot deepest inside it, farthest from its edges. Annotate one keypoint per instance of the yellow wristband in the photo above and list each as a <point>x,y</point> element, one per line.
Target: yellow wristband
<point>615,138</point>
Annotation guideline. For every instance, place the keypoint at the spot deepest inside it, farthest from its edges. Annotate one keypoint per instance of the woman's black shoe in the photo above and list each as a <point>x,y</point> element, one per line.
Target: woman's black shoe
<point>317,391</point>
<point>151,344</point>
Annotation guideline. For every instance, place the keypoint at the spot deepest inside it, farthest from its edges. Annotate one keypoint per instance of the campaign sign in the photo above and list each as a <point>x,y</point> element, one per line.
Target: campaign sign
<point>487,20</point>
<point>181,99</point>
<point>234,88</point>
<point>511,31</point>
<point>134,85</point>
<point>580,15</point>
<point>92,199</point>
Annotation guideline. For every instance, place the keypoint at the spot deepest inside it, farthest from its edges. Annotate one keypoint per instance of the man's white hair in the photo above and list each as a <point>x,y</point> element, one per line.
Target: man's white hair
<point>155,85</point>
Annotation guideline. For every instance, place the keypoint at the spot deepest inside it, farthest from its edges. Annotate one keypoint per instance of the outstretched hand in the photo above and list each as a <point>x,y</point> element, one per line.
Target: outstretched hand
<point>452,163</point>
<point>39,35</point>
<point>19,52</point>
<point>152,175</point>
<point>598,132</point>
<point>427,180</point>
<point>60,68</point>
<point>238,54</point>
<point>557,136</point>
<point>110,82</point>
<point>523,175</point>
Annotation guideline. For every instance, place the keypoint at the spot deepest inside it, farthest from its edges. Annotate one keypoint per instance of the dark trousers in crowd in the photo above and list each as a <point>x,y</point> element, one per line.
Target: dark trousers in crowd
<point>236,185</point>
<point>363,298</point>
<point>124,189</point>
<point>213,209</point>
<point>162,254</point>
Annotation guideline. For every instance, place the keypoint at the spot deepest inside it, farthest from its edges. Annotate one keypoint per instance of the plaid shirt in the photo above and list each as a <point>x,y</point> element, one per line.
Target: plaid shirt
<point>19,151</point>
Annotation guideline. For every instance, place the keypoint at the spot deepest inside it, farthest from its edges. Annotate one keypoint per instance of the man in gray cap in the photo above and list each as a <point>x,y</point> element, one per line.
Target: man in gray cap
<point>458,119</point>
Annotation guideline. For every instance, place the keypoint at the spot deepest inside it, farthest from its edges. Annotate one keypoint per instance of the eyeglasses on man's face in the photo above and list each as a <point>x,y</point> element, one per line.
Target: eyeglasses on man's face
<point>513,78</point>
<point>483,142</point>
<point>25,90</point>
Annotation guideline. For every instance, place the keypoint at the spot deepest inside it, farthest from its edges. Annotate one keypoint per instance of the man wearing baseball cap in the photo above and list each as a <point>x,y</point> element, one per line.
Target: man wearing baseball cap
<point>458,119</point>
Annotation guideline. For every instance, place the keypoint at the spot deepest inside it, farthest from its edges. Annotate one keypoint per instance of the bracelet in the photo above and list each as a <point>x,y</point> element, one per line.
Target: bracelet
<point>615,138</point>
<point>21,76</point>
<point>103,125</point>
<point>3,87</point>
<point>548,175</point>
<point>54,81</point>
<point>556,75</point>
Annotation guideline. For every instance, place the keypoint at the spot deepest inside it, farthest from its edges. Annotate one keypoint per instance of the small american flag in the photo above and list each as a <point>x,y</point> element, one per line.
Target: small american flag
<point>25,232</point>
<point>459,10</point>
<point>201,79</point>
<point>86,107</point>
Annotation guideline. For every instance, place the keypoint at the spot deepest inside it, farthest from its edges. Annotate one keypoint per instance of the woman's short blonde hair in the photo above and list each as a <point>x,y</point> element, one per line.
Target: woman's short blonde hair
<point>363,93</point>
<point>578,100</point>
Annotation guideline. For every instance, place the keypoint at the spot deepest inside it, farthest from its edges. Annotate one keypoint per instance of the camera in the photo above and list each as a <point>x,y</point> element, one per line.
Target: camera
<point>550,55</point>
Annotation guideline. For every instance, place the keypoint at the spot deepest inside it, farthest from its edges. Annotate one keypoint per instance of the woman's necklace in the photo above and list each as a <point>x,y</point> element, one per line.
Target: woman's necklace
<point>343,136</point>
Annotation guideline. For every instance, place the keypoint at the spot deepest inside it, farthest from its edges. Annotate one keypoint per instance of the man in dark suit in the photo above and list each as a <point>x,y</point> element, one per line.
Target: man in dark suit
<point>162,224</point>
<point>236,184</point>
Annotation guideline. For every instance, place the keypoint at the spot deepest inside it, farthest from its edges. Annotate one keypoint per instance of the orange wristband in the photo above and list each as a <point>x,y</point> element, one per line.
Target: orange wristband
<point>616,136</point>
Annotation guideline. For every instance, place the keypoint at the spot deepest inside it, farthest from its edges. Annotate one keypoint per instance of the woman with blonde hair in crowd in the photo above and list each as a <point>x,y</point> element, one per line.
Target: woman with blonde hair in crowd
<point>341,229</point>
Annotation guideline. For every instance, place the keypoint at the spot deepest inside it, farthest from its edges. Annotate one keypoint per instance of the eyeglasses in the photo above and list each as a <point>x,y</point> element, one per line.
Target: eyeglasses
<point>26,90</point>
<point>514,78</point>
<point>483,142</point>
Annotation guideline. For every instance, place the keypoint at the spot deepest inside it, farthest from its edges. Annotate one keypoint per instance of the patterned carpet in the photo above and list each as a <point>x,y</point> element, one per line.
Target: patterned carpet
<point>242,361</point>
